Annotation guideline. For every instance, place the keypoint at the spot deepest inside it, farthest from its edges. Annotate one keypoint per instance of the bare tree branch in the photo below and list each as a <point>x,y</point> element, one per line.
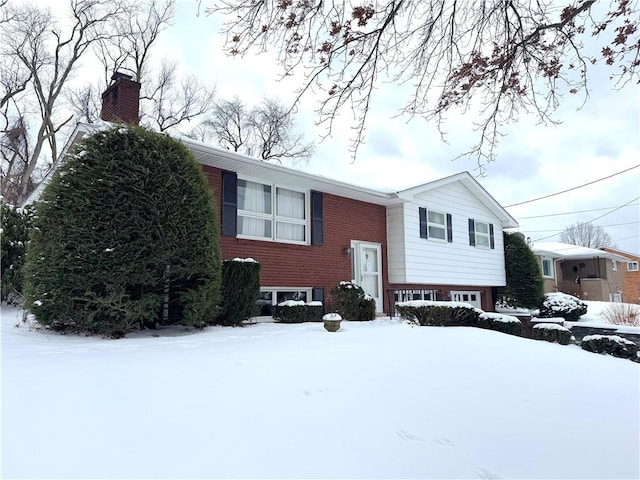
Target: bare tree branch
<point>493,58</point>
<point>586,234</point>
<point>267,131</point>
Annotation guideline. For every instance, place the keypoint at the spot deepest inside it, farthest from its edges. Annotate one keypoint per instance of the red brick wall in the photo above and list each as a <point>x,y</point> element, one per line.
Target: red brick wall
<point>443,292</point>
<point>287,265</point>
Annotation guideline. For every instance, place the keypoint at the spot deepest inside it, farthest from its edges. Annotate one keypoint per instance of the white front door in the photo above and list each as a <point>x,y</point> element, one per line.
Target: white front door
<point>472,298</point>
<point>367,268</point>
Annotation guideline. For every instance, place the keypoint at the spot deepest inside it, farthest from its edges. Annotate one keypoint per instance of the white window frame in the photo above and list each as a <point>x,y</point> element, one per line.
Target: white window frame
<point>274,217</point>
<point>614,265</point>
<point>274,293</point>
<point>438,226</point>
<point>632,266</point>
<point>481,235</point>
<point>550,260</point>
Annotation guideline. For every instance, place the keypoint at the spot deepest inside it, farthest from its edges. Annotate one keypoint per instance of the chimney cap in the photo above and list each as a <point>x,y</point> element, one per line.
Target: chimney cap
<point>118,75</point>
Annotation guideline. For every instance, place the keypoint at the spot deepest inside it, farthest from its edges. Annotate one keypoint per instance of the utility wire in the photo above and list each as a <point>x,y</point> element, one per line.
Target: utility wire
<point>594,219</point>
<point>573,188</point>
<point>603,226</point>
<point>572,213</point>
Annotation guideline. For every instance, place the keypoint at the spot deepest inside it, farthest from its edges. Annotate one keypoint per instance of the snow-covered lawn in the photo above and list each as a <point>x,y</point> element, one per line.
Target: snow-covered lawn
<point>377,399</point>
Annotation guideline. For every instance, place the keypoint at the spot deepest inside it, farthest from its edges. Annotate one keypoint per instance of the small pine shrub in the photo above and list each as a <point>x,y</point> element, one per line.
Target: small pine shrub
<point>15,225</point>
<point>240,290</point>
<point>366,309</point>
<point>610,345</point>
<point>426,313</point>
<point>352,303</point>
<point>562,305</point>
<point>293,311</point>
<point>622,314</point>
<point>552,332</point>
<point>500,323</point>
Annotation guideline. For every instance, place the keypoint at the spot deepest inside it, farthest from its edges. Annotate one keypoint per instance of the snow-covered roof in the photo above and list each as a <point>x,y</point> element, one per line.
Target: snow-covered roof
<point>559,250</point>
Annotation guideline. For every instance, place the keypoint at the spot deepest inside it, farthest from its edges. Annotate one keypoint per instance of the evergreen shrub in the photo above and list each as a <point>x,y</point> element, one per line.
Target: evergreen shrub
<point>352,303</point>
<point>500,323</point>
<point>293,311</point>
<point>427,313</point>
<point>552,332</point>
<point>240,291</point>
<point>125,236</point>
<point>523,274</point>
<point>610,345</point>
<point>15,224</point>
<point>562,305</point>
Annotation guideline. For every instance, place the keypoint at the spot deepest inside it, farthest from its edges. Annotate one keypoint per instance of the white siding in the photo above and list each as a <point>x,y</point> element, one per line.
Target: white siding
<point>435,262</point>
<point>396,266</point>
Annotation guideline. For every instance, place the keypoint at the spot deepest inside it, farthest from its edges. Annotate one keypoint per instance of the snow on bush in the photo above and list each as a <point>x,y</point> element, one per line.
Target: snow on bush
<point>297,311</point>
<point>552,332</point>
<point>430,313</point>
<point>500,322</point>
<point>610,345</point>
<point>562,305</point>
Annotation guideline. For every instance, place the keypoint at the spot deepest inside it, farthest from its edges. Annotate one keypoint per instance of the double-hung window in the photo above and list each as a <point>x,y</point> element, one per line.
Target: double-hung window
<point>271,212</point>
<point>482,235</point>
<point>547,267</point>
<point>632,266</point>
<point>436,225</point>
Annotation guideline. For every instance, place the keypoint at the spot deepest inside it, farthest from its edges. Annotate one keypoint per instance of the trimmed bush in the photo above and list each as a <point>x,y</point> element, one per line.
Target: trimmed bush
<point>293,311</point>
<point>15,225</point>
<point>240,291</point>
<point>125,236</point>
<point>366,309</point>
<point>352,303</point>
<point>500,323</point>
<point>552,332</point>
<point>610,345</point>
<point>562,305</point>
<point>445,314</point>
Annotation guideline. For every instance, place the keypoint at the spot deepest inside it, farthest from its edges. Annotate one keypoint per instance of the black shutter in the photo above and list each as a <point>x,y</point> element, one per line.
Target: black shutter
<point>229,203</point>
<point>449,228</point>
<point>317,236</point>
<point>423,222</point>
<point>491,240</point>
<point>472,232</point>
<point>317,294</point>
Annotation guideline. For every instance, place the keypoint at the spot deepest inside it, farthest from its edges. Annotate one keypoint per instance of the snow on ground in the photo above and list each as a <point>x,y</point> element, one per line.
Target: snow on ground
<point>593,318</point>
<point>379,399</point>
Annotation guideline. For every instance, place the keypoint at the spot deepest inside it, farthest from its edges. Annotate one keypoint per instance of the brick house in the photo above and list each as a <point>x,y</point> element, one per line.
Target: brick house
<point>630,275</point>
<point>588,273</point>
<point>441,240</point>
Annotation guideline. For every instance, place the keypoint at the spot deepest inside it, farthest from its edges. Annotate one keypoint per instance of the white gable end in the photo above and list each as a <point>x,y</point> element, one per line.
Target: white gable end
<point>413,259</point>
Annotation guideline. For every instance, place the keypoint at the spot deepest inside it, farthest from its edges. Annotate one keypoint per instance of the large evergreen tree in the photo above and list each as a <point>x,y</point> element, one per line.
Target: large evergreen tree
<point>524,277</point>
<point>125,235</point>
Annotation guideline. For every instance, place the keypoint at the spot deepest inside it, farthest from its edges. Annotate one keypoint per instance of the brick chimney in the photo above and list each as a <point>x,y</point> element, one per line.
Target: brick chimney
<point>121,101</point>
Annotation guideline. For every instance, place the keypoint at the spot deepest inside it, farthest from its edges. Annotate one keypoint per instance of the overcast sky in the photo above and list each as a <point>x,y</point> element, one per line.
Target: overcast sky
<point>533,160</point>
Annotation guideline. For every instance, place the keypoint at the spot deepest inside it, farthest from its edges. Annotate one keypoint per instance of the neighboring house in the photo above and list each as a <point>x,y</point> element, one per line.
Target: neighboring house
<point>441,240</point>
<point>588,273</point>
<point>630,275</point>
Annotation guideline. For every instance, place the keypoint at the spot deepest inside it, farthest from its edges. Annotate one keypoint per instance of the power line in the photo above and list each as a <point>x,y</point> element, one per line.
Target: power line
<point>594,219</point>
<point>573,188</point>
<point>615,209</point>
<point>572,213</point>
<point>555,230</point>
